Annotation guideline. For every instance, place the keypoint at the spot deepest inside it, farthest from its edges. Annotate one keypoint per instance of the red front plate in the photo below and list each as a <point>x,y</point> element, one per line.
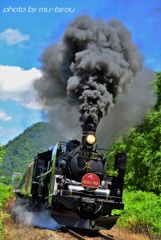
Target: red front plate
<point>90,180</point>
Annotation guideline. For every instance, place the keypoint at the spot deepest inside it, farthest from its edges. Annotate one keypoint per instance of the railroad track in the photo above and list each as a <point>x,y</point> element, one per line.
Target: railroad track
<point>72,233</point>
<point>75,233</point>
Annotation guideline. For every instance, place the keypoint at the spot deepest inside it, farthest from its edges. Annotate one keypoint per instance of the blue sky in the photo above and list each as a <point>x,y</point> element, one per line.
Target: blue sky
<point>25,31</point>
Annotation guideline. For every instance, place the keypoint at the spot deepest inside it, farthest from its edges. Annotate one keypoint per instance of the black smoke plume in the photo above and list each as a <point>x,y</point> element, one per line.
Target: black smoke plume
<point>92,64</point>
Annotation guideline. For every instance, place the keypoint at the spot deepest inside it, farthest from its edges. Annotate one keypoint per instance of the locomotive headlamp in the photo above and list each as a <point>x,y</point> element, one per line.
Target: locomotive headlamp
<point>91,139</point>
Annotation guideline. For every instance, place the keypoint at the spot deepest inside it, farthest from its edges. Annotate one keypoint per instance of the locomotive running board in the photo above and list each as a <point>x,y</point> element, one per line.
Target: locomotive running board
<point>72,220</point>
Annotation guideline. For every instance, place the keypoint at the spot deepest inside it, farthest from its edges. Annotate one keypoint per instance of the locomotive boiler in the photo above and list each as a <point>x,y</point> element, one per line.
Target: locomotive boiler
<point>70,179</point>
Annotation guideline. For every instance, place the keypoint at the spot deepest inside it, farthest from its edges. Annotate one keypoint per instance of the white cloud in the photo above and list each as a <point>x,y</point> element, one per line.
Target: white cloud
<point>13,36</point>
<point>4,116</point>
<point>17,84</point>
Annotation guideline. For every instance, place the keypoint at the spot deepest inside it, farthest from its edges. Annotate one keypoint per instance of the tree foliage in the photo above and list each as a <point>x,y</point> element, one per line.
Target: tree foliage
<point>143,148</point>
<point>142,213</point>
<point>157,89</point>
<point>5,194</point>
<point>2,152</point>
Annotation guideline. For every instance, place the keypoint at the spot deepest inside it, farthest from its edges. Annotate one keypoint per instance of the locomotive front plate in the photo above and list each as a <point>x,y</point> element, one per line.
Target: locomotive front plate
<point>88,155</point>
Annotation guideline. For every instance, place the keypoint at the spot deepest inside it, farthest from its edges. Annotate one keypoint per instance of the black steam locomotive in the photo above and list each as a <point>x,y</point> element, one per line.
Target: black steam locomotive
<point>71,181</point>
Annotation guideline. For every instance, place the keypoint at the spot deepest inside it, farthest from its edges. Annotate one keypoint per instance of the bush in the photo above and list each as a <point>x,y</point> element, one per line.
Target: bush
<point>142,212</point>
<point>5,194</point>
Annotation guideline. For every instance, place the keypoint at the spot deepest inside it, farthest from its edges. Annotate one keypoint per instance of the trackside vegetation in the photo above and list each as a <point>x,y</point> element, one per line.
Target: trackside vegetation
<point>6,192</point>
<point>142,213</point>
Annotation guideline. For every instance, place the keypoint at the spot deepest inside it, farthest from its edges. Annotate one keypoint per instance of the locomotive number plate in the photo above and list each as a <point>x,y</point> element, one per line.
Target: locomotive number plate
<point>88,155</point>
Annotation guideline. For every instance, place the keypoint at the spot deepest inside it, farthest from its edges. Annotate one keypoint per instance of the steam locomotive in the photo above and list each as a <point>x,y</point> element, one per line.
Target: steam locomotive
<point>70,180</point>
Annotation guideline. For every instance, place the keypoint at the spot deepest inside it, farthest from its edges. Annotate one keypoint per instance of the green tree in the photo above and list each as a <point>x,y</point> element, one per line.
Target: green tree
<point>157,89</point>
<point>2,152</point>
<point>143,148</point>
<point>7,180</point>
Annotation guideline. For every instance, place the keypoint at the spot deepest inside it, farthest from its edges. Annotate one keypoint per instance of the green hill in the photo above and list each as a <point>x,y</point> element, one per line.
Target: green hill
<point>22,149</point>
